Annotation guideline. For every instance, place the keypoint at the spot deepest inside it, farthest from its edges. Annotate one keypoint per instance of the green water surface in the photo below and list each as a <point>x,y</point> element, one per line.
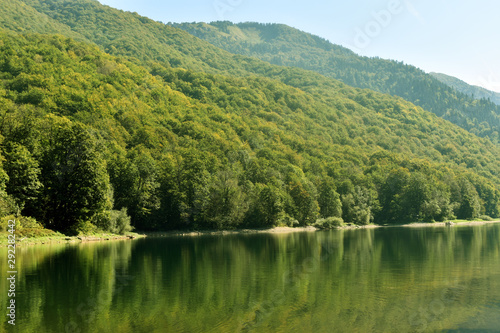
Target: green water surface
<point>434,279</point>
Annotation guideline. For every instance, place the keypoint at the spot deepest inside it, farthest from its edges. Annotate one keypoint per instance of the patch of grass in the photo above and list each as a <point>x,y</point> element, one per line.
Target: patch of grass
<point>28,236</point>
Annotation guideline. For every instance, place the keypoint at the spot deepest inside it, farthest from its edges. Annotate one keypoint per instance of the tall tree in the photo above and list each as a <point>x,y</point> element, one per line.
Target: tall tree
<point>24,177</point>
<point>329,200</point>
<point>470,205</point>
<point>76,185</point>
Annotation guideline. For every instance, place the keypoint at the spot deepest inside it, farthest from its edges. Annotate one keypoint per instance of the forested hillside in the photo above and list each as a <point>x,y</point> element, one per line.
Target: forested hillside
<point>90,140</point>
<point>465,88</point>
<point>128,34</point>
<point>283,45</point>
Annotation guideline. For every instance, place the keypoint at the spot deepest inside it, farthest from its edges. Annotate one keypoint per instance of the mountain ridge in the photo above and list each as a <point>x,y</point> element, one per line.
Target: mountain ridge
<point>163,44</point>
<point>474,91</point>
<point>386,76</point>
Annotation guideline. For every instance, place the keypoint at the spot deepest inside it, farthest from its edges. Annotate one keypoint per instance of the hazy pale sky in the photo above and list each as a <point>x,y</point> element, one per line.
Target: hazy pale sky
<point>454,37</point>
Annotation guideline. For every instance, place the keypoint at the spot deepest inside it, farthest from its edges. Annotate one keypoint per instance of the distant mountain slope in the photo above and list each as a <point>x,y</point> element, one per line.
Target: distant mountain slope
<point>465,88</point>
<point>19,17</point>
<point>283,45</point>
<point>148,40</point>
<point>129,34</point>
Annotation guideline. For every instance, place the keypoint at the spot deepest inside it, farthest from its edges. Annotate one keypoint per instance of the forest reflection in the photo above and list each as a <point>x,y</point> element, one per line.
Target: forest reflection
<point>386,279</point>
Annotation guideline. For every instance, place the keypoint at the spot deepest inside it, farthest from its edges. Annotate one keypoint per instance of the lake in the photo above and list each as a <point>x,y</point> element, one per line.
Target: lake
<point>365,280</point>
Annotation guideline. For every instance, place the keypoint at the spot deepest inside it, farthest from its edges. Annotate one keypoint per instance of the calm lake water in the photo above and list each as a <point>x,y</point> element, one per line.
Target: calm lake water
<point>371,280</point>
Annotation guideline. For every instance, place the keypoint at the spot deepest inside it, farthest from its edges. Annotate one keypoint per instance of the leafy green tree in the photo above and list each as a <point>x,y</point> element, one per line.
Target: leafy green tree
<point>24,177</point>
<point>76,185</point>
<point>228,203</point>
<point>489,195</point>
<point>305,206</point>
<point>329,200</point>
<point>470,205</point>
<point>267,206</point>
<point>119,222</point>
<point>416,194</point>
<point>391,196</point>
<point>143,197</point>
<point>357,206</point>
<point>7,204</point>
<point>185,188</point>
<point>122,174</point>
<point>438,207</point>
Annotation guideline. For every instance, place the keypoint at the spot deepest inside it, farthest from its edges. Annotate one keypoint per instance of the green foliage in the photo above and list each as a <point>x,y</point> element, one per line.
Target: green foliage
<point>267,207</point>
<point>288,221</point>
<point>470,206</point>
<point>465,88</point>
<point>7,203</point>
<point>285,46</point>
<point>24,173</point>
<point>329,200</point>
<point>22,223</point>
<point>114,221</point>
<point>119,222</point>
<point>228,202</point>
<point>304,204</point>
<point>203,147</point>
<point>142,194</point>
<point>358,206</point>
<point>329,223</point>
<point>81,228</point>
<point>76,185</point>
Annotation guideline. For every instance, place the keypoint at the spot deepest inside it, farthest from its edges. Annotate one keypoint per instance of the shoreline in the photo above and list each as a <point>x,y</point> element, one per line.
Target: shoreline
<point>443,224</point>
<point>59,239</point>
<point>276,230</point>
<point>286,230</point>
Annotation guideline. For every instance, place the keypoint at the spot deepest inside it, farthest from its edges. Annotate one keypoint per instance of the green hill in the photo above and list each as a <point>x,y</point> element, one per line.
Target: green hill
<point>19,17</point>
<point>283,45</point>
<point>128,34</point>
<point>88,137</point>
<point>465,88</point>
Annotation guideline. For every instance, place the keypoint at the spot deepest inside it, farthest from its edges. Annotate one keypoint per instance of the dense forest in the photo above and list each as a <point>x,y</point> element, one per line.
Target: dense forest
<point>283,45</point>
<point>464,87</point>
<point>155,128</point>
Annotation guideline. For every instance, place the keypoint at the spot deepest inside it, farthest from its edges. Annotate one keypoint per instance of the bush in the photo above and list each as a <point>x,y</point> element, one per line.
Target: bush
<point>4,221</point>
<point>288,221</point>
<point>114,221</point>
<point>82,228</point>
<point>120,222</point>
<point>22,222</point>
<point>485,218</point>
<point>37,232</point>
<point>103,221</point>
<point>329,223</point>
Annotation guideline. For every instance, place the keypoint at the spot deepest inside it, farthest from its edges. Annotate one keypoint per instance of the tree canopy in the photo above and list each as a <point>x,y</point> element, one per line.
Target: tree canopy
<point>88,137</point>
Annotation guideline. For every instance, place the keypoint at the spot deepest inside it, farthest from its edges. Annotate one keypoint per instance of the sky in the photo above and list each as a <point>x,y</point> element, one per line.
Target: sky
<point>454,37</point>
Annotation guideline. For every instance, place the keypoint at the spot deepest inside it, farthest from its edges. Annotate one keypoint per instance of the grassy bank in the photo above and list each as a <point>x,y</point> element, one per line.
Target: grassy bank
<point>32,236</point>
